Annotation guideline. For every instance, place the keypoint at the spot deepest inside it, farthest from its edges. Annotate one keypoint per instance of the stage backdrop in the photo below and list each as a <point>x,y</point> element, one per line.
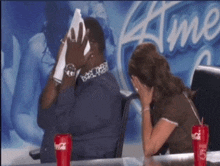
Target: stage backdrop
<point>186,33</point>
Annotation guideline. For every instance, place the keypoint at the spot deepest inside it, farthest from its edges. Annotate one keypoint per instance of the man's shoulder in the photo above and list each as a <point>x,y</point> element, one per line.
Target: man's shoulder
<point>108,82</point>
<point>108,79</point>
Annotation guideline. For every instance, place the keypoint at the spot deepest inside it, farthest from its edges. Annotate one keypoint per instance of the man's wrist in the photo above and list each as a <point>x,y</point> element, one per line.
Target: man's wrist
<point>70,70</point>
<point>55,81</point>
<point>67,82</point>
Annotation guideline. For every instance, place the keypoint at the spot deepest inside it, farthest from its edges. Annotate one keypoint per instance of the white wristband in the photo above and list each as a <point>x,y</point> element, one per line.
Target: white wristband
<point>145,109</point>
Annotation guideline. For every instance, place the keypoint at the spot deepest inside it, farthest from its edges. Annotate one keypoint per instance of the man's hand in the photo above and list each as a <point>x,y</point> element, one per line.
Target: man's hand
<point>75,48</point>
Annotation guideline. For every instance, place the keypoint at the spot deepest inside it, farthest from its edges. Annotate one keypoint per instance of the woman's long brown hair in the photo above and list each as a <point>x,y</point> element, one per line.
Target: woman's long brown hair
<point>153,70</point>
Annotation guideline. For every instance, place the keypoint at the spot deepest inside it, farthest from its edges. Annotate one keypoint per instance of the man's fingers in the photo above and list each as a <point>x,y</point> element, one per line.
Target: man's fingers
<point>73,34</point>
<point>68,41</point>
<point>88,56</point>
<point>86,38</point>
<point>80,33</point>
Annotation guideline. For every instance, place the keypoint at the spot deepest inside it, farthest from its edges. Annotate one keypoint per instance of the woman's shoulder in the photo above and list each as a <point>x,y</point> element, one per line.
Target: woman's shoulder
<point>178,99</point>
<point>175,102</point>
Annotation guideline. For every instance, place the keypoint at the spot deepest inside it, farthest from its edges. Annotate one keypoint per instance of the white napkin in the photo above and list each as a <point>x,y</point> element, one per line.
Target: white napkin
<point>77,18</point>
<point>213,157</point>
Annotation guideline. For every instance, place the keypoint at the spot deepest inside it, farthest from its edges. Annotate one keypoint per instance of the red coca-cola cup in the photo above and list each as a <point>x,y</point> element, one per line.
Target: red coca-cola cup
<point>63,148</point>
<point>200,139</point>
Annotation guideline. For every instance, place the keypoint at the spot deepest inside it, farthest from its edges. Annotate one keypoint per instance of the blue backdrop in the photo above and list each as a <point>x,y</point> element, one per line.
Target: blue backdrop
<point>187,33</point>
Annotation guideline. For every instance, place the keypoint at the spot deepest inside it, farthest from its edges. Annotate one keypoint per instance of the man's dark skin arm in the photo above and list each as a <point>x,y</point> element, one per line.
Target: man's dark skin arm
<point>50,94</point>
<point>74,55</point>
<point>51,90</point>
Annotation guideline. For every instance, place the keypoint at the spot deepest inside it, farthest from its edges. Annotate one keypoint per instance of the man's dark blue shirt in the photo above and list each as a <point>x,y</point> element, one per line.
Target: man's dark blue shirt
<point>91,113</point>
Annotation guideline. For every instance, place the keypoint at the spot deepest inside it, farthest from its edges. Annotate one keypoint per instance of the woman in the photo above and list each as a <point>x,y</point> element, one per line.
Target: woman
<point>166,99</point>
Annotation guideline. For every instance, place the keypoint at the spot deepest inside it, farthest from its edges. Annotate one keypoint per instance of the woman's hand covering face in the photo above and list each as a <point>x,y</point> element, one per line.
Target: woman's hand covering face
<point>146,93</point>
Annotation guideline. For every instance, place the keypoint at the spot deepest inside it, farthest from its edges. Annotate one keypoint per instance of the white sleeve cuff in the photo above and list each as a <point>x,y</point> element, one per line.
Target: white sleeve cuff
<point>170,121</point>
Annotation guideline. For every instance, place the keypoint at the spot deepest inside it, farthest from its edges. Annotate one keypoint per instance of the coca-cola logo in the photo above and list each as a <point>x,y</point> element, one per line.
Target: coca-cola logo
<point>202,151</point>
<point>196,136</point>
<point>60,146</point>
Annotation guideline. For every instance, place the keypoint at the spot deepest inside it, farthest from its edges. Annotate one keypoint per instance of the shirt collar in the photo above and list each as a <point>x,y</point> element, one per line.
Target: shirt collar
<point>96,71</point>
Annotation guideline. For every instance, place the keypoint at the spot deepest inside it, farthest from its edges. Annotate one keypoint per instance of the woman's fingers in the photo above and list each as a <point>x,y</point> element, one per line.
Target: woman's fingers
<point>141,87</point>
<point>152,90</point>
<point>134,82</point>
<point>136,89</point>
<point>144,91</point>
<point>138,84</point>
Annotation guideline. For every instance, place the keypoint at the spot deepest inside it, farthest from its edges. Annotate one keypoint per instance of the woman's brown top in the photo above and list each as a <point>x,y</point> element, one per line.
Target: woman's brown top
<point>179,111</point>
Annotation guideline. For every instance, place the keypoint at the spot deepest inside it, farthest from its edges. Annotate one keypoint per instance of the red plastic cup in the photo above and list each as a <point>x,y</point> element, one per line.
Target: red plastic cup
<point>200,139</point>
<point>63,148</point>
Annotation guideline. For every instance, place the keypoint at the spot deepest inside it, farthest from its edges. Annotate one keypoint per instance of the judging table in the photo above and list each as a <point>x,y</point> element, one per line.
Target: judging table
<point>184,159</point>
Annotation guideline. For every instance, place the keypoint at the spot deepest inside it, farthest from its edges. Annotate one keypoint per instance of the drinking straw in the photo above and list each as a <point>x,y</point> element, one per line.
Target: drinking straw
<point>202,120</point>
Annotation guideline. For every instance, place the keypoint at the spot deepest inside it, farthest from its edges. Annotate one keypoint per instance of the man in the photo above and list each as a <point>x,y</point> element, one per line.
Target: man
<point>38,61</point>
<point>88,107</point>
